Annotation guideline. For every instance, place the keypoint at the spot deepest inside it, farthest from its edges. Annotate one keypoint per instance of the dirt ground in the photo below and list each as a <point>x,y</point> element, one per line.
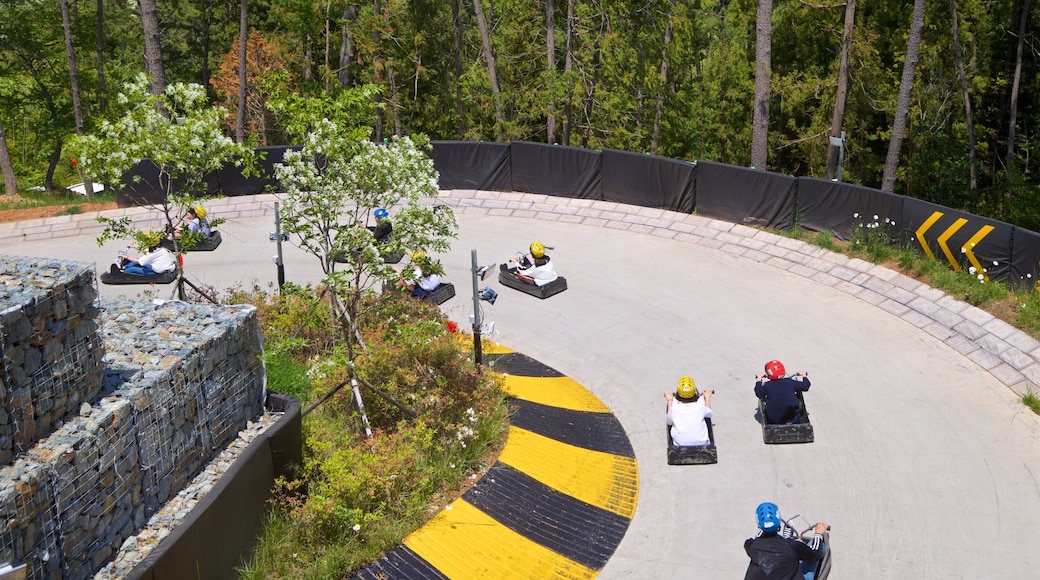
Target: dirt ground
<point>29,213</point>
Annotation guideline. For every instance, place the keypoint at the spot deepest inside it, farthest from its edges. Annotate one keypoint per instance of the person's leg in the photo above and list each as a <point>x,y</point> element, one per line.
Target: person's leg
<point>419,292</point>
<point>134,268</point>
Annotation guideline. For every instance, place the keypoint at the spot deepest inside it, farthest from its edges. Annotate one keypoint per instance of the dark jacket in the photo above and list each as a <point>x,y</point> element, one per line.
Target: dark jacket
<point>780,398</point>
<point>777,558</point>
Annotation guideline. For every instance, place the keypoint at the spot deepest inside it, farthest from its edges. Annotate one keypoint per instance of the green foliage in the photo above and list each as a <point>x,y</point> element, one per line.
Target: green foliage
<point>356,497</point>
<point>178,132</point>
<point>1032,401</point>
<point>872,238</point>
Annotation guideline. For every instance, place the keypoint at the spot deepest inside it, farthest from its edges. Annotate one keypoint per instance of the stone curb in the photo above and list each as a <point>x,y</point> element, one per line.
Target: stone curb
<point>1009,355</point>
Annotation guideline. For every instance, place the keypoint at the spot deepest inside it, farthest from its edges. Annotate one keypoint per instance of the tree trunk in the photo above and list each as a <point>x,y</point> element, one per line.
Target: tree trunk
<point>10,181</point>
<point>485,39</point>
<point>377,66</point>
<point>568,64</point>
<point>906,85</point>
<point>1016,82</point>
<point>763,71</point>
<point>100,32</point>
<point>843,87</point>
<point>207,37</point>
<point>656,131</point>
<point>456,27</point>
<point>969,118</point>
<point>243,38</point>
<point>153,62</point>
<point>346,48</point>
<point>550,57</point>
<point>77,102</point>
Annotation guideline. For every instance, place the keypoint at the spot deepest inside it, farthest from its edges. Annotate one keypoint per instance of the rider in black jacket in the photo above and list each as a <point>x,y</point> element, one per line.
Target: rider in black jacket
<point>775,553</point>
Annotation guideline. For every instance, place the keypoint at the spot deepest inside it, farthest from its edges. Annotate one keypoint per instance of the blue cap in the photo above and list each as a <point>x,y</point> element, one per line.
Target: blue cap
<point>381,213</point>
<point>768,517</point>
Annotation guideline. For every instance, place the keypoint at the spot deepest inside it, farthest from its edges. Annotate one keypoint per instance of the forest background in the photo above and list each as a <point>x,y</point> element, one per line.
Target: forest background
<point>956,127</point>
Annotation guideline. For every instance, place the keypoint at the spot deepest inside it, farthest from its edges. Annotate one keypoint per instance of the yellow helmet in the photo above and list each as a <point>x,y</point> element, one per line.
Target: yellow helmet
<point>686,390</point>
<point>417,255</point>
<point>200,212</point>
<point>537,249</point>
<point>148,240</point>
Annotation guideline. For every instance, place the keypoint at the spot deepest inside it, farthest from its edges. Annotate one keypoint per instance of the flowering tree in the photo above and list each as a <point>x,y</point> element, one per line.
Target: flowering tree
<point>334,183</point>
<point>175,130</point>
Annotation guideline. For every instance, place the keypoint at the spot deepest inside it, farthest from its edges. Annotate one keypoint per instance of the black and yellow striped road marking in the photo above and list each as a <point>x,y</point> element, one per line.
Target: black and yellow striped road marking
<point>557,502</point>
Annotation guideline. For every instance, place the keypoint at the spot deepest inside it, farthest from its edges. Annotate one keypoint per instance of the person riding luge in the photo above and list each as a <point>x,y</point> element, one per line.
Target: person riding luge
<point>423,278</point>
<point>537,269</point>
<point>686,413</point>
<point>779,393</point>
<point>777,553</point>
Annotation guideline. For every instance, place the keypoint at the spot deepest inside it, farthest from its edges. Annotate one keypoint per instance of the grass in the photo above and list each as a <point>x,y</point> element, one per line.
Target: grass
<point>32,199</point>
<point>1032,401</point>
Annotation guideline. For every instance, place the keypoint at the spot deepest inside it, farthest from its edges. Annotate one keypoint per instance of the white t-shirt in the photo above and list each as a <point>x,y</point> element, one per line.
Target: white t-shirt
<point>161,260</point>
<point>687,421</point>
<point>428,283</point>
<point>542,275</point>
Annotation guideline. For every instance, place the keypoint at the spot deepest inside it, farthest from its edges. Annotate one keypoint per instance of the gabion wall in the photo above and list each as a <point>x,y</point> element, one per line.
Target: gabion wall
<point>175,384</point>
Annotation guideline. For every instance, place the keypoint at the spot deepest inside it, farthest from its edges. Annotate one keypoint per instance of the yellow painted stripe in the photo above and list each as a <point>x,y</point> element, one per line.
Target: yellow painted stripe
<point>924,228</point>
<point>464,542</point>
<point>601,479</point>
<point>944,239</point>
<point>488,347</point>
<point>969,249</point>
<point>562,392</point>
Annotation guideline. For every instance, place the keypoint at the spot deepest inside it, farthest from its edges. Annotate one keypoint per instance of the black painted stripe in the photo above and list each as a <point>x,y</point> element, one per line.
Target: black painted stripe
<point>399,564</point>
<point>515,363</point>
<point>568,526</point>
<point>594,431</point>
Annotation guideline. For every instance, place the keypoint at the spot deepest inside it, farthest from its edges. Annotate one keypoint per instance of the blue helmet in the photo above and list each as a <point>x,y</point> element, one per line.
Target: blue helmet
<point>768,517</point>
<point>381,213</point>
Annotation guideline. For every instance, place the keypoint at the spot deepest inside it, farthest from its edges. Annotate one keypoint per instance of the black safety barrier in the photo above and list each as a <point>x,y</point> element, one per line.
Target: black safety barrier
<point>230,181</point>
<point>555,170</point>
<point>745,196</point>
<point>647,180</point>
<point>838,208</point>
<point>221,531</point>
<point>1025,258</point>
<point>961,239</point>
<point>473,165</point>
<point>736,194</point>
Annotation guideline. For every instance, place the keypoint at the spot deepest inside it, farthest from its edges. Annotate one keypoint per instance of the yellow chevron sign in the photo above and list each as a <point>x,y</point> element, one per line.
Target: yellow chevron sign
<point>943,240</point>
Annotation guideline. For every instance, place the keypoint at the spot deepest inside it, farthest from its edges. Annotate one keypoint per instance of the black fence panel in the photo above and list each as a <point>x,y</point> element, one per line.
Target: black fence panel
<point>965,241</point>
<point>745,196</point>
<point>472,165</point>
<point>555,170</point>
<point>231,182</point>
<point>838,208</point>
<point>1025,258</point>
<point>141,186</point>
<point>647,180</point>
<point>221,531</point>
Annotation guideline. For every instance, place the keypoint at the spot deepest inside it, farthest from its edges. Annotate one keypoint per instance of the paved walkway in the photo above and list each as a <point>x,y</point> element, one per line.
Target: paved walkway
<point>925,462</point>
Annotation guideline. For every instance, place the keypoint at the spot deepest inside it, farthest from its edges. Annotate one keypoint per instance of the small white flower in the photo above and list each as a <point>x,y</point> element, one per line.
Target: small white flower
<point>875,216</point>
<point>995,263</point>
<point>855,215</point>
<point>982,277</point>
<point>964,250</point>
<point>971,269</point>
<point>447,507</point>
<point>357,527</point>
<point>453,466</point>
<point>1029,275</point>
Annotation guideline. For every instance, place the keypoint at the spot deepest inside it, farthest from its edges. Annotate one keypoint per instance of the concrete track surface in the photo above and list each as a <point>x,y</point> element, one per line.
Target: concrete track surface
<point>925,465</point>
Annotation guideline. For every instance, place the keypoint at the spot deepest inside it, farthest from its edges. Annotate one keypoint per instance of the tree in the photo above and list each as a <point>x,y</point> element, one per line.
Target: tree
<point>10,181</point>
<point>906,85</point>
<point>153,61</point>
<point>261,61</point>
<point>243,88</point>
<point>178,132</point>
<point>1015,84</point>
<point>77,104</point>
<point>331,187</point>
<point>763,67</point>
<point>489,59</point>
<point>969,118</point>
<point>843,86</point>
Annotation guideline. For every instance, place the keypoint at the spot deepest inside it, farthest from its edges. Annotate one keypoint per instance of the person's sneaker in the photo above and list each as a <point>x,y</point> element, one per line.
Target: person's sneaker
<point>114,269</point>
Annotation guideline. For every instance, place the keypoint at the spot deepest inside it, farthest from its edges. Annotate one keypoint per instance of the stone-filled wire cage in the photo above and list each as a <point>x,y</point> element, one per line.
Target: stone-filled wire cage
<point>110,407</point>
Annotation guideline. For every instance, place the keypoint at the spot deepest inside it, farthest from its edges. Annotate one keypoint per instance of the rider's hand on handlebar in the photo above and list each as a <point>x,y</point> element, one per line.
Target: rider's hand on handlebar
<point>822,527</point>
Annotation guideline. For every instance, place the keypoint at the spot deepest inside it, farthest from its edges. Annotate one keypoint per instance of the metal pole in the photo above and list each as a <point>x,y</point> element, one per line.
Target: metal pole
<point>478,355</point>
<point>841,155</point>
<point>278,239</point>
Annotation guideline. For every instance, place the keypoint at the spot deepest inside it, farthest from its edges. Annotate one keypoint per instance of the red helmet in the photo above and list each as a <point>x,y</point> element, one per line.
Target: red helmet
<point>775,370</point>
